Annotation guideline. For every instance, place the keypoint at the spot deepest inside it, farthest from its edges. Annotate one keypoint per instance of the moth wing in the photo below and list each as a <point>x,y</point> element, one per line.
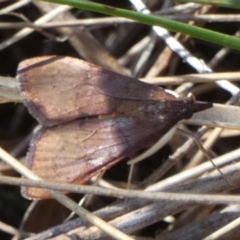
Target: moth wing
<point>76,151</point>
<point>59,89</point>
<point>73,152</point>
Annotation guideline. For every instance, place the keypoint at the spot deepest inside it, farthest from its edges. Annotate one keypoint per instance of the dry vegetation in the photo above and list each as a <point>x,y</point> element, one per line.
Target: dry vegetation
<point>131,49</point>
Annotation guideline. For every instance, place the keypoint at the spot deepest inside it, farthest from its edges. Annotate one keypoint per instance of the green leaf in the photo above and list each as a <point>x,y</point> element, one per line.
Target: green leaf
<point>197,32</point>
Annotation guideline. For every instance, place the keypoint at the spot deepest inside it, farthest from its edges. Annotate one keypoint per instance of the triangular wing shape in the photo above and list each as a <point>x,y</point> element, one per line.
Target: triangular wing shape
<point>72,93</point>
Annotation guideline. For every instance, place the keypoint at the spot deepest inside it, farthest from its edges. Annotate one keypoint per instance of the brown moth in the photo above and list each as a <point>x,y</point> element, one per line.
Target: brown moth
<point>91,117</point>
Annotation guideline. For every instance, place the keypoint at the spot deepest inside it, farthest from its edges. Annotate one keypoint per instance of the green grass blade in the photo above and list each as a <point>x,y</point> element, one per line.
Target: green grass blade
<point>197,32</point>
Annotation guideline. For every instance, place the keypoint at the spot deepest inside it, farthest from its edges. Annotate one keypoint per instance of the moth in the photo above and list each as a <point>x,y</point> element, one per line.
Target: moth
<point>91,117</point>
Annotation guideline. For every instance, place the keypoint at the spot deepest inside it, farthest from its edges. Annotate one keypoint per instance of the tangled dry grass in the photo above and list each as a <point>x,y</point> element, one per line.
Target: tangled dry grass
<point>180,167</point>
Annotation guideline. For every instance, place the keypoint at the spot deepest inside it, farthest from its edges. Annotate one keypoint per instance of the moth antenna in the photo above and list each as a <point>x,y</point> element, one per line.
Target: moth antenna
<point>205,152</point>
